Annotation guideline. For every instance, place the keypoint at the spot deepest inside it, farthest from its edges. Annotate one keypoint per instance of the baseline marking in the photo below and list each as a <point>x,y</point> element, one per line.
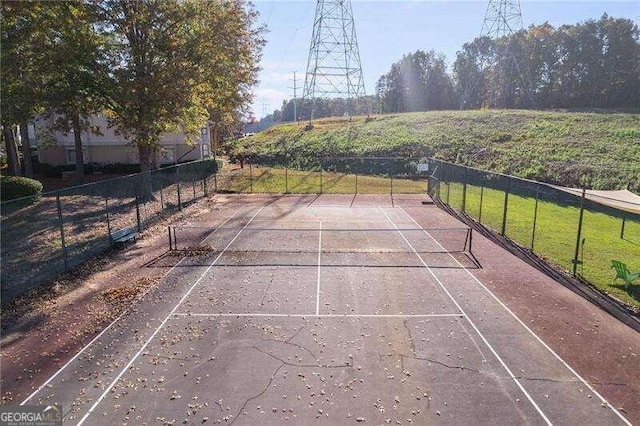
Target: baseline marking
<point>322,316</point>
<point>175,308</point>
<point>574,372</point>
<point>108,327</point>
<point>486,342</point>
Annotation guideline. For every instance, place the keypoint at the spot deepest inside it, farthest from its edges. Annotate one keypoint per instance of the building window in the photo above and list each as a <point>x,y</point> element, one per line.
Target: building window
<point>71,156</point>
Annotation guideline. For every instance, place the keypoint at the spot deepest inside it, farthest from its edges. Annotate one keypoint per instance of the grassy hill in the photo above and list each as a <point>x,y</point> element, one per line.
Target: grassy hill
<point>598,150</point>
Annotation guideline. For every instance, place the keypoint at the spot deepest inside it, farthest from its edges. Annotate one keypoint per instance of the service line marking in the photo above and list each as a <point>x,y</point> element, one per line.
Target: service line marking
<point>319,267</point>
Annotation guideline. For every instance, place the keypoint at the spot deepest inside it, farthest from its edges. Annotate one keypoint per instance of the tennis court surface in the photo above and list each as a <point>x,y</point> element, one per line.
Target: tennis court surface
<point>322,310</point>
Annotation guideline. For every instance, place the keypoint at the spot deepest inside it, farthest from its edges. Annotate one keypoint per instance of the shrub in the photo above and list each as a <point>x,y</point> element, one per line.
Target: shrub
<point>12,187</point>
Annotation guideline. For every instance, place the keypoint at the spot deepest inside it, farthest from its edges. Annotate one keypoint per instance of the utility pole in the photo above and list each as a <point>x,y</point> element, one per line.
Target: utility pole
<point>334,69</point>
<point>295,94</point>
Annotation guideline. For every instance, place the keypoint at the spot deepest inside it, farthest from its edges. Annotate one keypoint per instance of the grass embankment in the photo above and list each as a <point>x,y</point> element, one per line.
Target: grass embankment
<point>597,149</point>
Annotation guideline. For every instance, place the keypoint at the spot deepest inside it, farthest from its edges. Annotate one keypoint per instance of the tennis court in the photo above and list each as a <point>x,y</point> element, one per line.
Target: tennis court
<point>321,310</point>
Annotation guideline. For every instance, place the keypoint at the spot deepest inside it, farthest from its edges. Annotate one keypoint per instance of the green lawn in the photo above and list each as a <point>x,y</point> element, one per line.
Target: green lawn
<point>556,230</point>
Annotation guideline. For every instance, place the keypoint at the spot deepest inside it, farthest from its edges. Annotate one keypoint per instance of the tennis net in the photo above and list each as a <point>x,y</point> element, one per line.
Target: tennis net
<point>308,240</point>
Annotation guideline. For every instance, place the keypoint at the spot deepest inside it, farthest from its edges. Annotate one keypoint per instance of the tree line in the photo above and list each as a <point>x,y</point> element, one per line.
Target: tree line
<point>594,64</point>
<point>149,66</point>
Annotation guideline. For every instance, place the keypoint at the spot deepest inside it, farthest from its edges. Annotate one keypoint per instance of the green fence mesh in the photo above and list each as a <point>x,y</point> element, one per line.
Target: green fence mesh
<point>43,237</point>
<point>547,221</point>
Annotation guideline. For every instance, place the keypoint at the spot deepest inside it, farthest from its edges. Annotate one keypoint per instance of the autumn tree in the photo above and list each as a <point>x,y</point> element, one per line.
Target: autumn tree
<point>179,64</point>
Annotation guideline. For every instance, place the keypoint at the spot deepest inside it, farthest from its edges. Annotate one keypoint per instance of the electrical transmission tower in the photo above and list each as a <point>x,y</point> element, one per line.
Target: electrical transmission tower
<point>334,69</point>
<point>503,18</point>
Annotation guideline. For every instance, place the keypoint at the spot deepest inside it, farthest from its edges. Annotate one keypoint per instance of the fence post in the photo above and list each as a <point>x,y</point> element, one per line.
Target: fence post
<point>506,206</point>
<point>251,176</point>
<point>286,179</point>
<point>161,192</point>
<point>464,190</point>
<point>61,224</point>
<point>320,178</point>
<point>106,209</point>
<point>170,242</point>
<point>356,183</point>
<point>624,220</point>
<point>481,197</point>
<point>178,185</point>
<point>138,211</point>
<point>204,185</point>
<point>535,217</point>
<point>392,186</point>
<point>575,257</point>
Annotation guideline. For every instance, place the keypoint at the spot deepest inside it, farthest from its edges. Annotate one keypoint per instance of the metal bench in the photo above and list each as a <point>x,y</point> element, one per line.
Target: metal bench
<point>121,236</point>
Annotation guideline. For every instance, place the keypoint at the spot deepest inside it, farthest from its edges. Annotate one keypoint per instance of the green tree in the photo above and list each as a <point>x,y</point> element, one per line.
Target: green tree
<point>179,64</point>
<point>22,84</point>
<point>418,82</point>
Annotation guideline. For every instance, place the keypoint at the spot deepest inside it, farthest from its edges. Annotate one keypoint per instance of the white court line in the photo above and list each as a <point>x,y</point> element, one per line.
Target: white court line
<point>574,372</point>
<point>175,308</point>
<point>258,315</point>
<point>119,317</point>
<point>486,342</point>
<point>319,268</point>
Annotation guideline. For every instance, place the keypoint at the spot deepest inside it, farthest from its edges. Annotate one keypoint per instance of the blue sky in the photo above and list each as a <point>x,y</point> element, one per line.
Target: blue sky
<point>387,30</point>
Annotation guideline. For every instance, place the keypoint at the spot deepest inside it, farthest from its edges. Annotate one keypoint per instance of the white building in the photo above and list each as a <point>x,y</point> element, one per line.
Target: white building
<point>58,148</point>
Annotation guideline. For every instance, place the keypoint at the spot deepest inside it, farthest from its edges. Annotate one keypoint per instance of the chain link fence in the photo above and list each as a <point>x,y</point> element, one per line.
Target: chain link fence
<point>45,236</point>
<point>578,233</point>
<point>323,175</point>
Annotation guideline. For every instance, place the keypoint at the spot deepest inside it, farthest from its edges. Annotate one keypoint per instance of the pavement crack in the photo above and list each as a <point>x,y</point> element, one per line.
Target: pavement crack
<point>287,342</point>
<point>433,361</point>
<point>273,376</point>
<point>291,364</point>
<point>412,344</point>
<point>266,291</point>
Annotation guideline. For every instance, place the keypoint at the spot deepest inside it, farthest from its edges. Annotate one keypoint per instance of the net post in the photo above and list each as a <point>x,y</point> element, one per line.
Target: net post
<point>624,220</point>
<point>286,177</point>
<point>535,217</point>
<point>575,257</point>
<point>505,208</point>
<point>391,185</point>
<point>61,225</point>
<point>356,183</point>
<point>320,178</point>
<point>170,242</point>
<point>194,190</point>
